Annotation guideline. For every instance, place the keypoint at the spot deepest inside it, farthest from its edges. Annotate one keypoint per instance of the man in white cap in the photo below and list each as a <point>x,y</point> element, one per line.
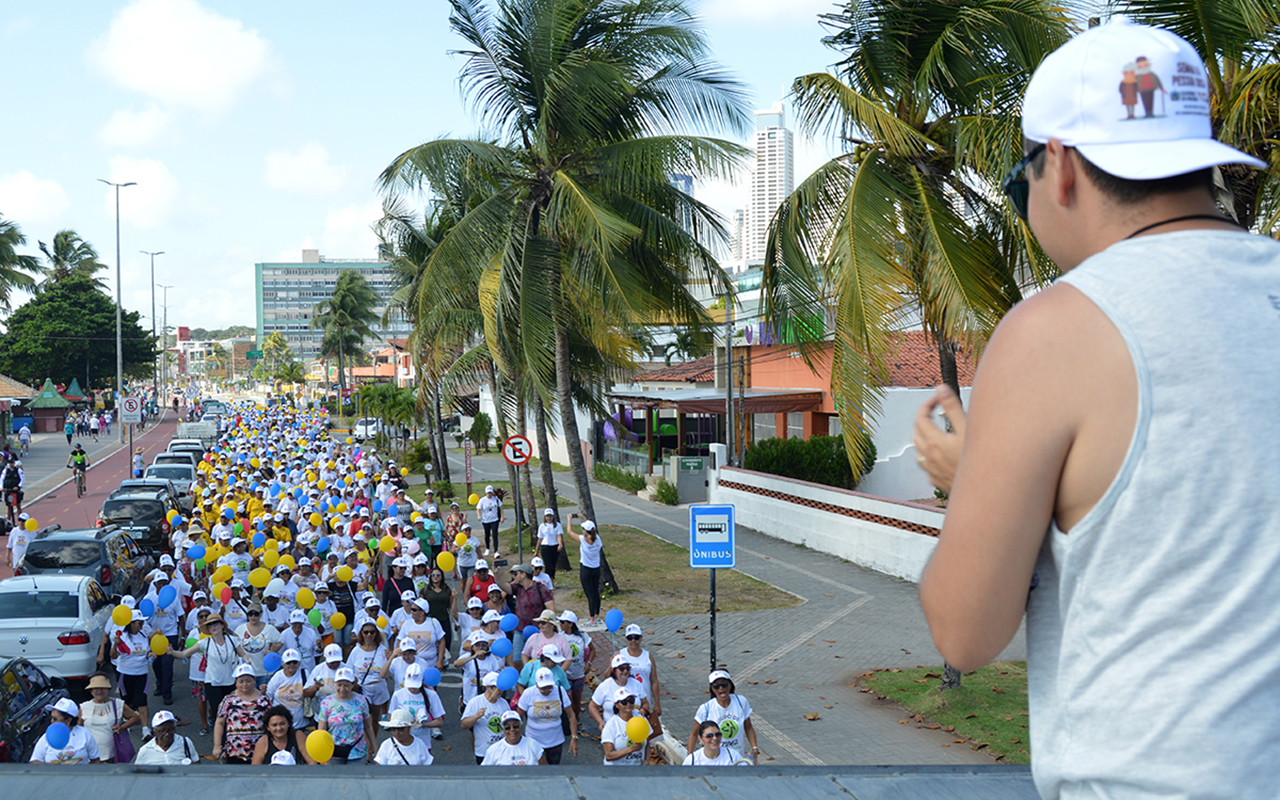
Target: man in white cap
<point>1121,433</point>
<point>302,636</point>
<point>491,516</point>
<point>550,541</point>
<point>166,747</point>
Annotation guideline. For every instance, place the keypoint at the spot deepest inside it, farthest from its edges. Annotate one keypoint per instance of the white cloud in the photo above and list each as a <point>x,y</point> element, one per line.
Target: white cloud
<point>760,12</point>
<point>148,205</point>
<point>182,54</point>
<point>134,128</point>
<point>348,231</point>
<point>306,172</point>
<point>28,200</point>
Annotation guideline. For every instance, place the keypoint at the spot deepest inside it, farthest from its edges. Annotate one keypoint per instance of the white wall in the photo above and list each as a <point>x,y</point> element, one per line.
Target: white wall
<point>897,475</point>
<point>884,548</point>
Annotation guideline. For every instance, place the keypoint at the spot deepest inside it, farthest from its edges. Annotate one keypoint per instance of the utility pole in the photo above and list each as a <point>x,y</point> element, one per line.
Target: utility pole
<point>164,346</point>
<point>155,371</point>
<point>119,348</point>
<point>729,417</point>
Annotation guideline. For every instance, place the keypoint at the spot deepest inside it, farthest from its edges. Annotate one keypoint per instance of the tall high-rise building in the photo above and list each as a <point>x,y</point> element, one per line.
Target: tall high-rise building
<point>772,180</point>
<point>685,184</point>
<point>738,235</point>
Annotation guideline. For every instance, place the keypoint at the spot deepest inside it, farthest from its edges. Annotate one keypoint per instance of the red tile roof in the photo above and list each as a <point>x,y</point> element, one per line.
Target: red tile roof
<point>914,363</point>
<point>700,370</point>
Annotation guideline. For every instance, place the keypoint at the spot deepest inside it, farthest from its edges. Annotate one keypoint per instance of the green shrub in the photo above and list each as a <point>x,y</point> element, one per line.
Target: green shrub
<point>481,429</point>
<point>818,459</point>
<point>417,456</point>
<point>443,489</point>
<point>624,479</point>
<point>665,493</point>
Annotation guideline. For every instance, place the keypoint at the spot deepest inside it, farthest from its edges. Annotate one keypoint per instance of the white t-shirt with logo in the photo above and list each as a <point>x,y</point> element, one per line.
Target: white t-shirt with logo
<point>285,690</point>
<point>488,729</point>
<point>393,754</point>
<point>19,538</point>
<point>467,553</point>
<point>608,688</point>
<point>542,714</point>
<point>502,754</point>
<point>257,645</point>
<point>615,732</point>
<point>425,707</point>
<point>641,666</point>
<point>732,720</point>
<point>727,756</point>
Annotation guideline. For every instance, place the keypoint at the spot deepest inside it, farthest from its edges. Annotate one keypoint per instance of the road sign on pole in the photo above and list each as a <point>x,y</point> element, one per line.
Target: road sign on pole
<point>254,354</point>
<point>517,450</point>
<point>712,546</point>
<point>131,410</point>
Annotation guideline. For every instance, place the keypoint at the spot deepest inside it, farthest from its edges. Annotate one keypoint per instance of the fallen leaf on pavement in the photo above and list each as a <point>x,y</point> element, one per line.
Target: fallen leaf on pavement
<point>829,641</point>
<point>957,741</point>
<point>828,595</point>
<point>920,680</point>
<point>812,717</point>
<point>770,681</point>
<point>904,722</point>
<point>448,747</point>
<point>754,683</point>
<point>826,706</point>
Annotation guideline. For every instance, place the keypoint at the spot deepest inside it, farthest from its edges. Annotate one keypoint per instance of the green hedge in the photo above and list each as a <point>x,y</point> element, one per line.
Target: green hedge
<point>624,479</point>
<point>818,459</point>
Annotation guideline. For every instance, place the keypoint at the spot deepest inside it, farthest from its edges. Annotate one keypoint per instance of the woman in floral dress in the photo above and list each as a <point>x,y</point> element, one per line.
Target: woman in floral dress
<point>240,719</point>
<point>345,715</point>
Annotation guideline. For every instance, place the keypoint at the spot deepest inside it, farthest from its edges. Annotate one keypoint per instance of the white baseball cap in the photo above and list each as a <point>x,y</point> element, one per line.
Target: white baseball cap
<point>409,643</point>
<point>488,490</point>
<point>489,679</point>
<point>345,674</point>
<point>413,676</point>
<point>1073,97</point>
<point>162,716</point>
<point>408,594</point>
<point>333,653</point>
<point>569,616</point>
<point>537,562</point>
<point>588,526</point>
<point>242,670</point>
<point>481,564</point>
<point>490,616</point>
<point>297,615</point>
<point>634,630</point>
<point>475,602</point>
<point>283,758</point>
<point>290,655</point>
<point>544,677</point>
<point>552,652</point>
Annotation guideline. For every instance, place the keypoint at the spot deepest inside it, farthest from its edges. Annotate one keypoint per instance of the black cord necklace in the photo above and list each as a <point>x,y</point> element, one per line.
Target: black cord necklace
<point>1214,217</point>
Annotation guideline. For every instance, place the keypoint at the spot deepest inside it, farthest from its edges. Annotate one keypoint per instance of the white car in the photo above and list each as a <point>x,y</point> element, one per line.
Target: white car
<point>54,621</point>
<point>366,428</point>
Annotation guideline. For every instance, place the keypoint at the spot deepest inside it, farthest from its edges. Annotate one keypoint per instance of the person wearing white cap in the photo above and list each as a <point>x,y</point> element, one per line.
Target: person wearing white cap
<point>274,612</point>
<point>541,707</point>
<point>281,736</point>
<point>601,706</point>
<point>589,549</point>
<point>550,541</point>
<point>370,609</point>
<point>346,716</point>
<point>301,635</point>
<point>474,662</point>
<point>164,621</point>
<point>548,658</point>
<point>618,748</point>
<point>367,659</point>
<point>240,719</point>
<point>404,611</point>
<point>491,517</point>
<point>132,652</point>
<point>577,659</point>
<point>402,748</point>
<point>288,687</point>
<point>483,716</point>
<point>324,677</point>
<point>80,747</point>
<point>643,667</point>
<point>427,632</point>
<point>540,573</point>
<point>402,658</point>
<point>469,620</point>
<point>730,711</point>
<point>167,747</point>
<point>1116,503</point>
<point>514,749</point>
<point>399,582</point>
<point>422,703</point>
<point>466,554</point>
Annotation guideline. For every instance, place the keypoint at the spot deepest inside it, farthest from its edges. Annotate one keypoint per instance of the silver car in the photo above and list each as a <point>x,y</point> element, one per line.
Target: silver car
<point>54,621</point>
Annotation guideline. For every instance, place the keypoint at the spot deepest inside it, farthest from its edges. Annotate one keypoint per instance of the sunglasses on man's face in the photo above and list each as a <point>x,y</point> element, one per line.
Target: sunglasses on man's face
<point>1015,184</point>
<point>630,701</point>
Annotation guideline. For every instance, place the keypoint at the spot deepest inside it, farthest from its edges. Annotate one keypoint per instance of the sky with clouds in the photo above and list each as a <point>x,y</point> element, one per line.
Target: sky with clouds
<point>256,129</point>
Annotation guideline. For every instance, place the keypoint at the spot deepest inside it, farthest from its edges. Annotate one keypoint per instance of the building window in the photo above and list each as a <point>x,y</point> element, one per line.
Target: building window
<point>833,425</point>
<point>795,425</point>
<point>764,426</point>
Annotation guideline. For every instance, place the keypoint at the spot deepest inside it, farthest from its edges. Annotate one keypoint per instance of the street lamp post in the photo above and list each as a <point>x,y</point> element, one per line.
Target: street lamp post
<point>119,348</point>
<point>164,350</point>
<point>155,371</point>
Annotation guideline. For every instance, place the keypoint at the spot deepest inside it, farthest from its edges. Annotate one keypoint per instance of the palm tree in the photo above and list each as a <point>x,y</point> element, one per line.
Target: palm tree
<point>591,100</point>
<point>346,317</point>
<point>1238,41</point>
<point>908,228</point>
<point>686,345</point>
<point>71,255</point>
<point>16,270</point>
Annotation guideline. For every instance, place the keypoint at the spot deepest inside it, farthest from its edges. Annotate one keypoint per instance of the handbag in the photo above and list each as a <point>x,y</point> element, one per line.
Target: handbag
<point>122,741</point>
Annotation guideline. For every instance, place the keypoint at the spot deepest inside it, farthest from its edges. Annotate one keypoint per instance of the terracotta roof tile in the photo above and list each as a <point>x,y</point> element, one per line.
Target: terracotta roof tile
<point>11,388</point>
<point>913,363</point>
<point>700,370</point>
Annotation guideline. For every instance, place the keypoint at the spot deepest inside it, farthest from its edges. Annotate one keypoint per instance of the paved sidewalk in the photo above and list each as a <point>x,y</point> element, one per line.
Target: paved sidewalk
<point>853,619</point>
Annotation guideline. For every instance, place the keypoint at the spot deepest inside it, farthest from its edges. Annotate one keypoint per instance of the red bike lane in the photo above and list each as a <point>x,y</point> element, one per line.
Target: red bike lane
<point>61,506</point>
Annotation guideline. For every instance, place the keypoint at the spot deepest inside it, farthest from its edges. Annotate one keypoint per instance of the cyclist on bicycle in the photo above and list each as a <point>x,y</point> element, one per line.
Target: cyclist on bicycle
<point>13,480</point>
<point>78,463</point>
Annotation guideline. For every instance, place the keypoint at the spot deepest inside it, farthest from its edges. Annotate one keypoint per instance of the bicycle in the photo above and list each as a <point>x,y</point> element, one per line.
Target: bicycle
<point>79,475</point>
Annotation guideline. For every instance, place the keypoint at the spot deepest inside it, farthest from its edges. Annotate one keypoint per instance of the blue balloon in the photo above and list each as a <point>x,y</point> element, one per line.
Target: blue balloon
<point>391,509</point>
<point>431,677</point>
<point>253,487</point>
<point>613,620</point>
<point>377,506</point>
<point>179,520</point>
<point>500,647</point>
<point>297,492</point>
<point>226,513</point>
<point>530,631</point>
<point>509,622</point>
<point>147,607</point>
<point>507,678</point>
<point>275,489</point>
<point>166,597</point>
<point>57,735</point>
<point>323,544</point>
<point>271,662</point>
<point>195,552</point>
<point>258,539</point>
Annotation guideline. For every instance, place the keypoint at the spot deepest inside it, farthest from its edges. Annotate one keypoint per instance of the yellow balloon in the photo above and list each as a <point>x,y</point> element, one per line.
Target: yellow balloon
<point>344,573</point>
<point>320,746</point>
<point>460,539</point>
<point>335,522</point>
<point>269,560</point>
<point>387,544</point>
<point>305,598</point>
<point>272,544</point>
<point>31,524</point>
<point>159,644</point>
<point>473,499</point>
<point>221,574</point>
<point>404,471</point>
<point>342,508</point>
<point>638,729</point>
<point>288,561</point>
<point>338,620</point>
<point>122,615</point>
<point>255,463</point>
<point>350,440</point>
<point>445,562</point>
<point>359,475</point>
<point>173,512</point>
<point>332,464</point>
<point>322,486</point>
<point>259,578</point>
<point>415,516</point>
<point>315,519</point>
<point>382,621</point>
<point>216,589</point>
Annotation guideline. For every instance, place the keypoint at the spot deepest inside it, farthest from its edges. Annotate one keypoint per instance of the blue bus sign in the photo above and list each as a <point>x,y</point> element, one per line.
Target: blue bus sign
<point>711,537</point>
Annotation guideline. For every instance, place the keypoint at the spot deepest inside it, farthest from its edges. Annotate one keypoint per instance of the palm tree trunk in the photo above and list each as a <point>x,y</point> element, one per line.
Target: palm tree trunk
<point>443,453</point>
<point>500,419</point>
<point>568,415</point>
<point>548,476</point>
<point>342,375</point>
<point>431,437</point>
<point>530,502</point>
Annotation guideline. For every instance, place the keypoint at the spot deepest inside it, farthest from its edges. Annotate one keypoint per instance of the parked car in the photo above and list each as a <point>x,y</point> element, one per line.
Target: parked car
<point>180,457</point>
<point>182,477</point>
<point>143,511</point>
<point>109,555</point>
<point>56,622</point>
<point>25,691</point>
<point>366,428</point>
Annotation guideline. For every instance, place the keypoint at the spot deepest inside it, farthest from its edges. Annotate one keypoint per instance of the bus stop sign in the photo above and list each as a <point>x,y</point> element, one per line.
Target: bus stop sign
<point>712,542</point>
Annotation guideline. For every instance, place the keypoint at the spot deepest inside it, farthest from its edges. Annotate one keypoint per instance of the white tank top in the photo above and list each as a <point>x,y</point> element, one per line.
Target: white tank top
<point>1153,634</point>
<point>641,666</point>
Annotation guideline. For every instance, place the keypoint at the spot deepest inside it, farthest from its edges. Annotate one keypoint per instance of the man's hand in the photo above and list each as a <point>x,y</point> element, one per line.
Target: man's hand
<point>938,451</point>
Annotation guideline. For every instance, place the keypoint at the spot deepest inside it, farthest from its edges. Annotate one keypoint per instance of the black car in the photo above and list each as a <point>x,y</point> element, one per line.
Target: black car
<point>144,512</point>
<point>159,483</point>
<point>109,555</point>
<point>25,691</point>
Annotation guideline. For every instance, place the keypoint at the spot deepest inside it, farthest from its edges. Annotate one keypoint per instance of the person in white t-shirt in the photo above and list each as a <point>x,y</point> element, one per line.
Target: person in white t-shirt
<point>712,754</point>
<point>426,632</point>
<point>301,635</point>
<point>490,511</point>
<point>601,705</point>
<point>287,688</point>
<point>540,573</point>
<point>483,716</point>
<point>19,539</point>
<point>80,747</point>
<point>589,550</point>
<point>423,704</point>
<point>550,541</point>
<point>541,707</point>
<point>730,711</point>
<point>402,748</point>
<point>514,749</point>
<point>619,750</point>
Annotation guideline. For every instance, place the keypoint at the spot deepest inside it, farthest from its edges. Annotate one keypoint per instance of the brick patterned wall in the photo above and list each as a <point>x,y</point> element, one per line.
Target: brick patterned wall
<point>832,509</point>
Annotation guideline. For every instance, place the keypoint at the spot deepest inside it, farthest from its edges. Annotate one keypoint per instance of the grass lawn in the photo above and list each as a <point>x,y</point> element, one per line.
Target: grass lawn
<point>655,578</point>
<point>418,492</point>
<point>989,709</point>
